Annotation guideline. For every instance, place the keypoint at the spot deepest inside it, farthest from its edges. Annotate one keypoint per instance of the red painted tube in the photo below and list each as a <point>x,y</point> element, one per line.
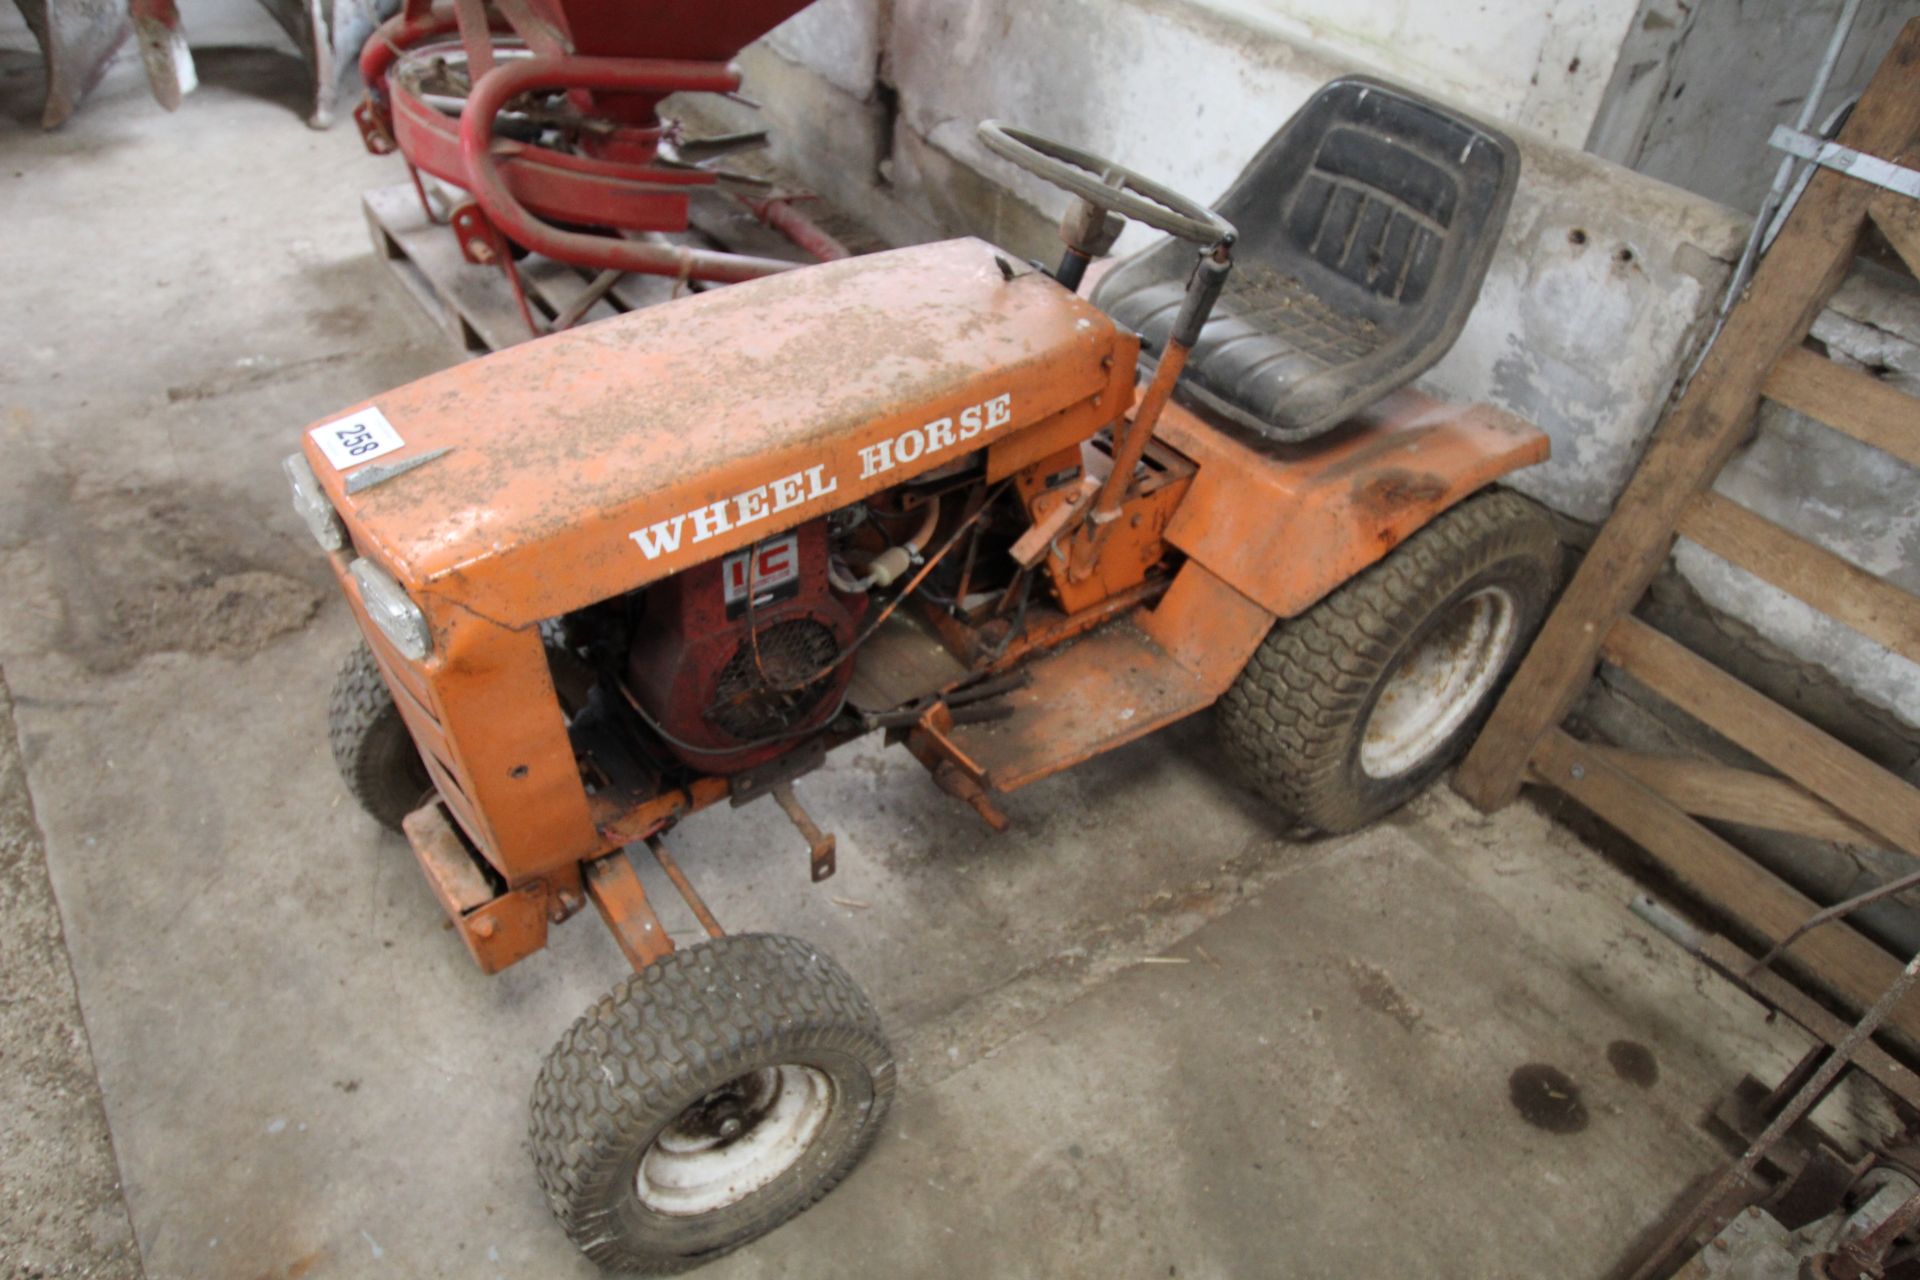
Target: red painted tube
<point>799,228</point>
<point>391,39</point>
<point>633,75</point>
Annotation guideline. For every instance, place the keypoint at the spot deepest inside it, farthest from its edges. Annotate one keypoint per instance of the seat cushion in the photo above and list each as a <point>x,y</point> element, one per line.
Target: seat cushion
<point>1266,336</point>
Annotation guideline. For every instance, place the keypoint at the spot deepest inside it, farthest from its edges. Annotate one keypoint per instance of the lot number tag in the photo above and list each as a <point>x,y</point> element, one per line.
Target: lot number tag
<point>357,438</point>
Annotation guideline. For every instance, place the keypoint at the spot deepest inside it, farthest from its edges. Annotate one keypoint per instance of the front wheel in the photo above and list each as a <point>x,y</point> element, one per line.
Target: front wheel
<point>371,745</point>
<point>1346,711</point>
<point>706,1100</point>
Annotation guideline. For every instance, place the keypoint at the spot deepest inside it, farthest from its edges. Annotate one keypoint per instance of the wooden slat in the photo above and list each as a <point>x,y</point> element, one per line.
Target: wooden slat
<point>559,286</point>
<point>1791,285</point>
<point>1849,965</point>
<point>1832,584</point>
<point>1772,989</point>
<point>1709,789</point>
<point>1706,789</point>
<point>1898,218</point>
<point>471,303</point>
<point>1849,400</point>
<point>1871,796</point>
<point>635,291</point>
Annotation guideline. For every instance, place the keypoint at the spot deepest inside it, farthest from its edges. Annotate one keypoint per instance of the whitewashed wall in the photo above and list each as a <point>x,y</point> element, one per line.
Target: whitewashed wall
<point>1602,275</point>
<point>1521,60</point>
<point>1698,87</point>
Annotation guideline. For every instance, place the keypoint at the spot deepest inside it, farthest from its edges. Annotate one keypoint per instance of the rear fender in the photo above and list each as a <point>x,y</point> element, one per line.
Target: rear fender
<point>1285,525</point>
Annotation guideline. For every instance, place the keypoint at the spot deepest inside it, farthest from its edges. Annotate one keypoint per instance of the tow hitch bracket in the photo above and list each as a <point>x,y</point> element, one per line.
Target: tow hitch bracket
<point>820,844</point>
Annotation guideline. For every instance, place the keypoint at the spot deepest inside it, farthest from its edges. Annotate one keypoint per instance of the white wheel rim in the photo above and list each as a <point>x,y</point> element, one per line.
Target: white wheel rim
<point>1439,684</point>
<point>734,1141</point>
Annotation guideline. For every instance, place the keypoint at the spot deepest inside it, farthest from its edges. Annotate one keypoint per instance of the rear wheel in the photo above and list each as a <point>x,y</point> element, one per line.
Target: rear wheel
<point>371,746</point>
<point>1346,711</point>
<point>706,1100</point>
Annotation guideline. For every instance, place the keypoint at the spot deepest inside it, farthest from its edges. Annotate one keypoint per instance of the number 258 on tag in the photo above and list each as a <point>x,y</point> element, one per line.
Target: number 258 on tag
<point>357,438</point>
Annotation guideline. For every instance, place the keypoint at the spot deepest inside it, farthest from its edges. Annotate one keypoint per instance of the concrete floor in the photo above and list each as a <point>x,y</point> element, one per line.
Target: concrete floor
<point>304,1075</point>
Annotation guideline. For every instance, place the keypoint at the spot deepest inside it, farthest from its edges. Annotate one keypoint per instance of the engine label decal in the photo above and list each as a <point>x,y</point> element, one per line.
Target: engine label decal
<point>773,568</point>
<point>357,438</point>
<point>664,537</point>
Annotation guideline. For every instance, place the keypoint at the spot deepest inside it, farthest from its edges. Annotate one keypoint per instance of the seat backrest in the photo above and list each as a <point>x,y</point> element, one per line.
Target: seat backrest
<point>1376,199</point>
<point>1366,227</point>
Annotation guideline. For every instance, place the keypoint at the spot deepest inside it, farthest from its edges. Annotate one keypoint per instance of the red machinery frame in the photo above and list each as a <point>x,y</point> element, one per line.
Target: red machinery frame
<point>615,184</point>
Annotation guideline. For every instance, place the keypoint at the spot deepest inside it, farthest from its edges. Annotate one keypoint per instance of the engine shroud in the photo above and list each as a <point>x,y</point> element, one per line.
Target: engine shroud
<point>713,683</point>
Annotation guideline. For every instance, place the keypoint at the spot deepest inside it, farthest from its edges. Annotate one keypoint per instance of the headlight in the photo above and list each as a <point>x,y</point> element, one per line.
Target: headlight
<point>310,500</point>
<point>398,618</point>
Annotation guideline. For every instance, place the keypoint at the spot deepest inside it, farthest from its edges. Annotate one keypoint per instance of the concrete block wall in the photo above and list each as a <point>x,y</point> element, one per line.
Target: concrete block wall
<point>1697,88</point>
<point>1604,282</point>
<point>1550,65</point>
<point>1598,288</point>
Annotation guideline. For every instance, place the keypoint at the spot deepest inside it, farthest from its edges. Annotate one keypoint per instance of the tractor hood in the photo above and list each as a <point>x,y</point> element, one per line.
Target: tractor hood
<point>563,471</point>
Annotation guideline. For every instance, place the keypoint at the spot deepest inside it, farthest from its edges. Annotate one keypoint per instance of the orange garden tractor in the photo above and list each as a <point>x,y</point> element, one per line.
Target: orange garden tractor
<point>623,573</point>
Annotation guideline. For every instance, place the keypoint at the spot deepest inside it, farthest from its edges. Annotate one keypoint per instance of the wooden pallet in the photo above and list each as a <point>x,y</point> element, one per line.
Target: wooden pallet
<point>1821,787</point>
<point>475,304</point>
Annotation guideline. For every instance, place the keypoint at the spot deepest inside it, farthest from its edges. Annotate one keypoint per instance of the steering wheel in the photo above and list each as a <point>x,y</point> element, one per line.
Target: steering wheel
<point>1106,185</point>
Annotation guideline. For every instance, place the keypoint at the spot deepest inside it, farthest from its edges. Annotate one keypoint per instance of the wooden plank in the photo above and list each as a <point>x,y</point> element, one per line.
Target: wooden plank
<point>1871,796</point>
<point>475,304</point>
<point>471,302</point>
<point>1791,285</point>
<point>1771,989</point>
<point>1832,584</point>
<point>555,286</point>
<point>1839,958</point>
<point>902,663</point>
<point>1898,218</point>
<point>1850,965</point>
<point>1849,400</point>
<point>1707,789</point>
<point>393,255</point>
<point>635,291</point>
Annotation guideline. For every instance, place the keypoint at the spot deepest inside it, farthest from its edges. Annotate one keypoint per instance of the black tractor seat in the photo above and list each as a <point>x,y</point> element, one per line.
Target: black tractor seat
<point>1366,225</point>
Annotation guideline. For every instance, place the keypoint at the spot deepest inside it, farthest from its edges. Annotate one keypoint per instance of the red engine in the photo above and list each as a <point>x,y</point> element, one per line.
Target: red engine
<point>733,680</point>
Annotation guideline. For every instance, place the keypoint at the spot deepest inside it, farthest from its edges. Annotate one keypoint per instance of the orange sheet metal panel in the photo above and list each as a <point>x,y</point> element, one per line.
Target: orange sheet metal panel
<point>1067,429</point>
<point>616,890</point>
<point>1285,524</point>
<point>498,931</point>
<point>494,741</point>
<point>1206,626</point>
<point>597,460</point>
<point>1107,688</point>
